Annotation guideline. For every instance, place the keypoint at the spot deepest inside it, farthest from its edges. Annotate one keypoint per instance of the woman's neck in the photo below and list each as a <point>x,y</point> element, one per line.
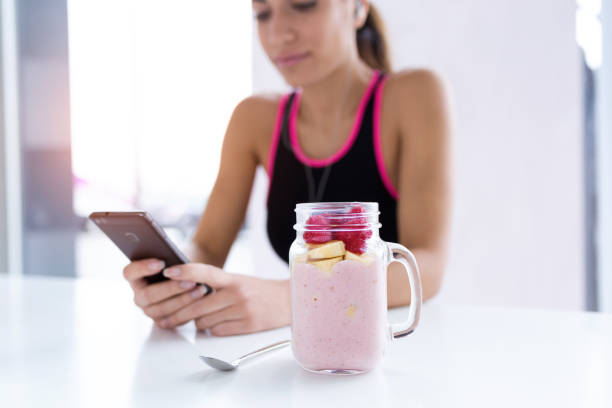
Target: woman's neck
<point>321,102</point>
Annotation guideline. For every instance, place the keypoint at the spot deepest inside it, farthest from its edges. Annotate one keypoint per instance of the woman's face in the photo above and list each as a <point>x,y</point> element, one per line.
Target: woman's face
<point>306,39</point>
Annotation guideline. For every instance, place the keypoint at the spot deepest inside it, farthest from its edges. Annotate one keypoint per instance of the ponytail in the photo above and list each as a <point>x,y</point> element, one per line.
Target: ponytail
<point>372,42</point>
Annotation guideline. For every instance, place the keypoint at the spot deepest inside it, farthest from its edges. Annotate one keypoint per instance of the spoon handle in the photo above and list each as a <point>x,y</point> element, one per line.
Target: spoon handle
<point>262,350</point>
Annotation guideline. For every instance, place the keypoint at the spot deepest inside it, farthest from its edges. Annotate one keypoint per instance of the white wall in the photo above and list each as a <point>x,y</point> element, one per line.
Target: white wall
<point>3,170</point>
<point>514,81</point>
<point>604,159</point>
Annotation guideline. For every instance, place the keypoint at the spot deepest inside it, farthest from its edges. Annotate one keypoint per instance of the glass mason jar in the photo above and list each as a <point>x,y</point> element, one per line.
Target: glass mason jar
<point>338,267</point>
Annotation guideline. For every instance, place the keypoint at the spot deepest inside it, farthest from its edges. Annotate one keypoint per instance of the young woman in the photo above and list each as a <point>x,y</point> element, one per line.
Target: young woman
<point>352,130</point>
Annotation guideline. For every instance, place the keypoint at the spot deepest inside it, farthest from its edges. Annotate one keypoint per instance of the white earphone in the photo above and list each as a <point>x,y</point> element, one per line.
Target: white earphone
<point>358,8</point>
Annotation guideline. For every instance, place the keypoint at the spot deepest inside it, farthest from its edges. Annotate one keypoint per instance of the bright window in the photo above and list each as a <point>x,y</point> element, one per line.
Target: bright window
<point>153,85</point>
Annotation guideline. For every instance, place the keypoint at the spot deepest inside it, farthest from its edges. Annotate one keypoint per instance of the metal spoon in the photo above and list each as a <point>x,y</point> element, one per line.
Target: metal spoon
<point>226,366</point>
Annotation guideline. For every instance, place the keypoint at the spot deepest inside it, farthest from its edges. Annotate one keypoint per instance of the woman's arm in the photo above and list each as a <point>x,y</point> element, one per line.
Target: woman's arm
<point>424,181</point>
<point>226,207</point>
<point>240,304</point>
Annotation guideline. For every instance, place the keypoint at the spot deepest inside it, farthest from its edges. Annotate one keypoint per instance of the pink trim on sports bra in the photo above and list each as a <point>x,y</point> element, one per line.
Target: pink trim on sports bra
<point>349,142</point>
<point>378,144</point>
<point>275,138</point>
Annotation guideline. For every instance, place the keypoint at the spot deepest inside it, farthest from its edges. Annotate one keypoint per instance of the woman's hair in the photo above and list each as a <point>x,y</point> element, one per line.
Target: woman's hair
<point>372,42</point>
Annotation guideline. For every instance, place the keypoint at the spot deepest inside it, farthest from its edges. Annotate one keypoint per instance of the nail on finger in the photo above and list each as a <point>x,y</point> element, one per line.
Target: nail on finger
<point>172,272</point>
<point>156,265</point>
<point>187,284</point>
<point>197,292</point>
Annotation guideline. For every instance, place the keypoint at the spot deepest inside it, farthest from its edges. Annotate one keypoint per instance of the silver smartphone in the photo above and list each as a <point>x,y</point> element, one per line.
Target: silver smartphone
<point>138,236</point>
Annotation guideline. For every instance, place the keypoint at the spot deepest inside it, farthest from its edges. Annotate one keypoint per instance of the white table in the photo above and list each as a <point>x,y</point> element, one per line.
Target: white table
<point>80,343</point>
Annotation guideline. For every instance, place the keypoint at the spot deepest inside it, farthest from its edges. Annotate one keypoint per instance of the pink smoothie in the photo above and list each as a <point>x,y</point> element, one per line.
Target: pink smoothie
<point>339,321</point>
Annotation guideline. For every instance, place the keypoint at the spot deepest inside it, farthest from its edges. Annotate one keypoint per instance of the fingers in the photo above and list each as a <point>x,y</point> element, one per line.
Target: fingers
<point>167,307</point>
<point>156,292</point>
<point>138,284</point>
<point>232,327</point>
<point>139,269</point>
<point>233,312</point>
<point>209,304</point>
<point>202,273</point>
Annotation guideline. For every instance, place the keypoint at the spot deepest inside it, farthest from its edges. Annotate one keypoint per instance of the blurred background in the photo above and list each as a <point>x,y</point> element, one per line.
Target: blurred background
<point>123,104</point>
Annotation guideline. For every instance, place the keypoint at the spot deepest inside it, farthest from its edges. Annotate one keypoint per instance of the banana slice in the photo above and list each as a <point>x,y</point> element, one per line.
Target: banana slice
<point>326,265</point>
<point>332,249</point>
<point>350,311</point>
<point>365,258</point>
<point>301,258</point>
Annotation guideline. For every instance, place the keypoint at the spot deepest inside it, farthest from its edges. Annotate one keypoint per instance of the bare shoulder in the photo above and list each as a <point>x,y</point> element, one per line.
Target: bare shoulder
<point>255,107</point>
<point>418,104</point>
<point>254,118</point>
<point>415,85</point>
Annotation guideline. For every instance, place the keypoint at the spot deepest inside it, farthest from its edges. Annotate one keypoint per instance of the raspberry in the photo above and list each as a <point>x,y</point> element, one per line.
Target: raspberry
<point>317,237</point>
<point>354,241</point>
<point>356,210</point>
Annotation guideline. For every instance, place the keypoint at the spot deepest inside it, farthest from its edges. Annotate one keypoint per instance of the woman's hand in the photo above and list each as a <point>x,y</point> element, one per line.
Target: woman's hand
<point>240,304</point>
<point>158,300</point>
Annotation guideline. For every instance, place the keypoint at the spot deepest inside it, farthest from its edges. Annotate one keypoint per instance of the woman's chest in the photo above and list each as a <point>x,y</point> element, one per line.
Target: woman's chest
<point>378,134</point>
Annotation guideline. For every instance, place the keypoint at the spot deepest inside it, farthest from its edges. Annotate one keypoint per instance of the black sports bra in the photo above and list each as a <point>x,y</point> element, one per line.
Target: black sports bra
<point>357,174</point>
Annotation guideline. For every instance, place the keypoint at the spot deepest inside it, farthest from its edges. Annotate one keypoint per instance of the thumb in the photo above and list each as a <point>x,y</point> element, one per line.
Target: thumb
<point>201,273</point>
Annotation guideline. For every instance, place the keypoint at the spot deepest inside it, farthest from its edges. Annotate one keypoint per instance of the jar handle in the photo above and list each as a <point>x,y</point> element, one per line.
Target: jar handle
<point>407,259</point>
